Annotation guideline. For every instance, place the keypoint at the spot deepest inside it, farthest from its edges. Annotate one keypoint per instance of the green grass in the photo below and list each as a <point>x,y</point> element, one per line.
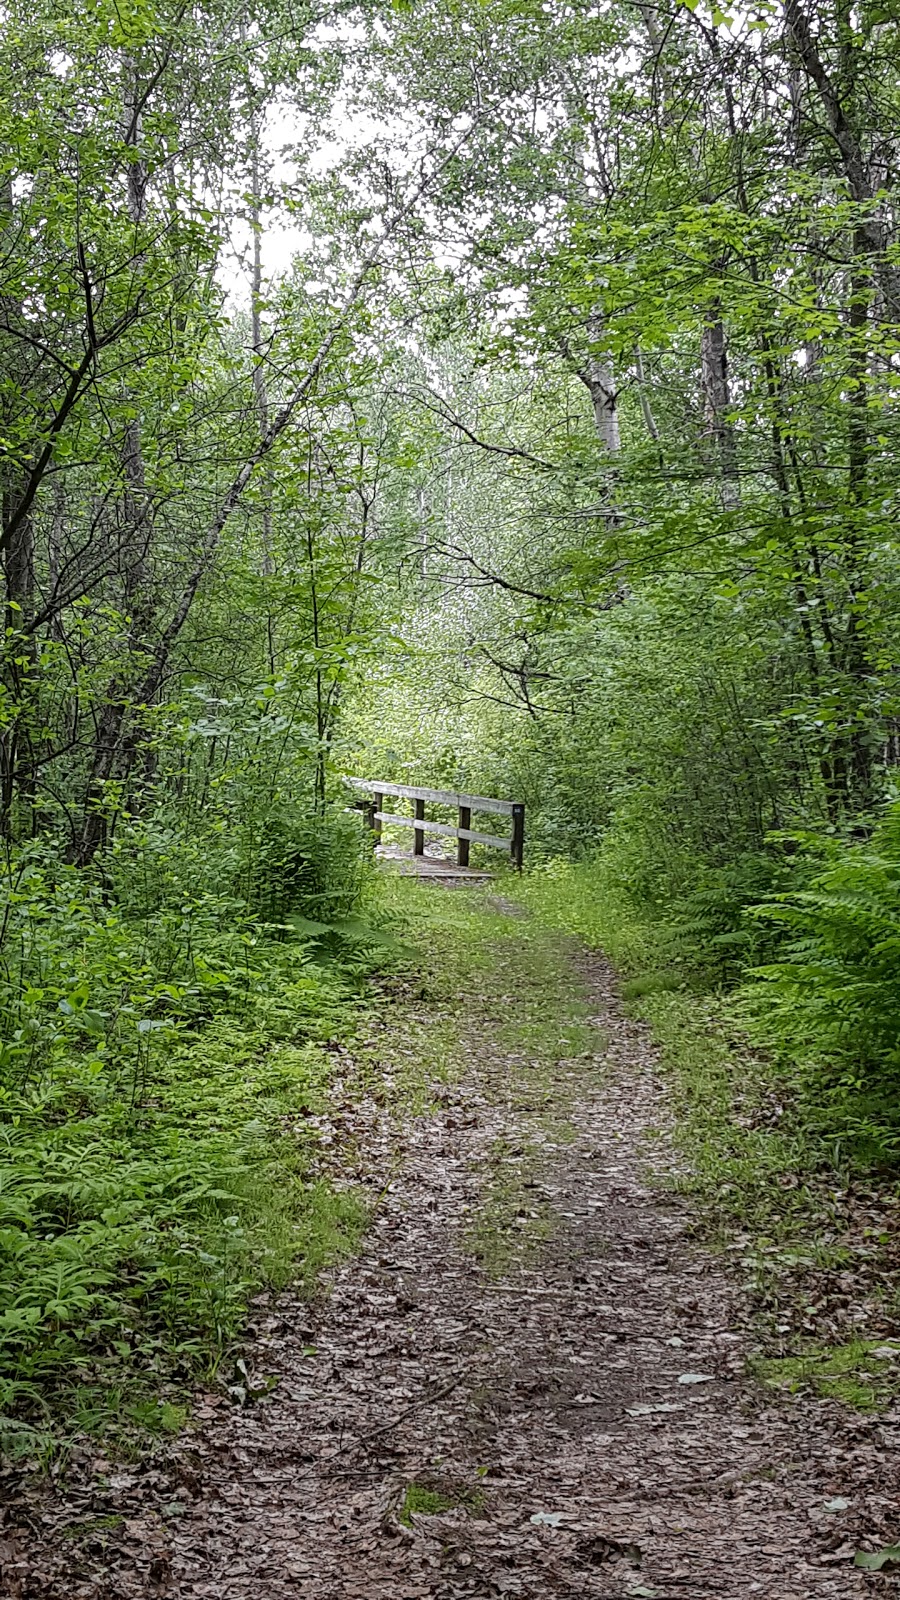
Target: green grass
<point>651,983</point>
<point>862,1373</point>
<point>429,1500</point>
<point>585,901</point>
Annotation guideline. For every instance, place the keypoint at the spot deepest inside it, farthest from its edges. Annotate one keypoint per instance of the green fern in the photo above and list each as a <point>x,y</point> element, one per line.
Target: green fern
<point>833,995</point>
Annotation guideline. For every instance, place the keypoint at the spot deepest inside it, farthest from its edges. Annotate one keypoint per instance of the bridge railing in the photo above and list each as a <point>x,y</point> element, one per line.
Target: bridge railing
<point>465,804</point>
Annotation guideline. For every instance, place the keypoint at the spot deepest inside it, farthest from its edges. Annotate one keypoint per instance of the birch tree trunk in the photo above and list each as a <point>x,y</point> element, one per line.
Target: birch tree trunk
<point>599,379</point>
<point>646,408</point>
<point>260,390</point>
<point>257,338</point>
<point>717,404</point>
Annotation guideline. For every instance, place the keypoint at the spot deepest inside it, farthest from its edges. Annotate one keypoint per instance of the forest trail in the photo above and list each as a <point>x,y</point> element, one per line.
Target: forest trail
<point>576,1424</point>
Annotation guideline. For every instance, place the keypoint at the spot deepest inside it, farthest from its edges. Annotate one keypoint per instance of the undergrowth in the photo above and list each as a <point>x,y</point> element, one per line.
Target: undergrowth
<point>162,1048</point>
<point>168,1053</point>
<point>165,1052</point>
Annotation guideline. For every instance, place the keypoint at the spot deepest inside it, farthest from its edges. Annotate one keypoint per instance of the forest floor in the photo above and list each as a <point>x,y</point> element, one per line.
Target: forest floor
<point>531,1382</point>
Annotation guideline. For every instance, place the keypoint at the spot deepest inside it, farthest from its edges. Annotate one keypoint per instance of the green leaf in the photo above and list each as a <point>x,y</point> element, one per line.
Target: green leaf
<point>306,925</point>
<point>877,1560</point>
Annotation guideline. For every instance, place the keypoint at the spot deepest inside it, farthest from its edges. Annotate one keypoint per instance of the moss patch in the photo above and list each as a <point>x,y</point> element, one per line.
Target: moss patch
<point>863,1374</point>
<point>431,1499</point>
<point>91,1529</point>
<point>421,1501</point>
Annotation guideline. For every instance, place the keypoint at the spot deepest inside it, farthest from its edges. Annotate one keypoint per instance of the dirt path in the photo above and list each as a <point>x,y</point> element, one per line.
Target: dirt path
<point>583,1421</point>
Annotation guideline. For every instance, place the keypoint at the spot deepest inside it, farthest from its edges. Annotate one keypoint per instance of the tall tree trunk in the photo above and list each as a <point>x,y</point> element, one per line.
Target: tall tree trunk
<point>717,403</point>
<point>118,735</point>
<point>598,377</point>
<point>16,739</point>
<point>842,126</point>
<point>19,658</point>
<point>839,102</point>
<point>260,390</point>
<point>858,666</point>
<point>650,422</point>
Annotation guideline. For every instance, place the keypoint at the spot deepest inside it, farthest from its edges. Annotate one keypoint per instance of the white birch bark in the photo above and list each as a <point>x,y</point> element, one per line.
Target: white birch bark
<point>717,404</point>
<point>599,378</point>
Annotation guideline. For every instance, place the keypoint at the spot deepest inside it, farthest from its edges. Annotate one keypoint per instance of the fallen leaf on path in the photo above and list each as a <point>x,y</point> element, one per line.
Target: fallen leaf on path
<point>877,1560</point>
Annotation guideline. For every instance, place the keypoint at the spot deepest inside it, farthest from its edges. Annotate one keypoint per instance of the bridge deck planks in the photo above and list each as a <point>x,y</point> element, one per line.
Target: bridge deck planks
<point>429,866</point>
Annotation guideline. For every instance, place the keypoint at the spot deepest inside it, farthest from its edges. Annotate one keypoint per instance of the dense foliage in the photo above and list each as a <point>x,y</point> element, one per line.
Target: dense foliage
<point>560,460</point>
<point>657,587</point>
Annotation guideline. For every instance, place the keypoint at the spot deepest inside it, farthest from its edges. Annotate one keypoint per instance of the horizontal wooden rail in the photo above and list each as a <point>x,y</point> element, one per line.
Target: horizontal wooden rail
<point>465,804</point>
<point>491,839</point>
<point>442,797</point>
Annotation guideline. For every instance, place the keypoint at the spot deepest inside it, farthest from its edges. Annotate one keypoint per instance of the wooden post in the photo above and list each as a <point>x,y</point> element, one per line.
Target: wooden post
<point>517,843</point>
<point>419,833</point>
<point>376,821</point>
<point>462,845</point>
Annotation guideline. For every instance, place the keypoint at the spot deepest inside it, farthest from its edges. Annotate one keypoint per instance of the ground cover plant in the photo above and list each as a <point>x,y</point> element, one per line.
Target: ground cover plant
<point>162,1050</point>
<point>441,1387</point>
<point>161,1163</point>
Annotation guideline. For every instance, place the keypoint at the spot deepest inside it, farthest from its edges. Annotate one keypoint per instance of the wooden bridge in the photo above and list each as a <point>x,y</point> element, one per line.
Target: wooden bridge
<point>463,832</point>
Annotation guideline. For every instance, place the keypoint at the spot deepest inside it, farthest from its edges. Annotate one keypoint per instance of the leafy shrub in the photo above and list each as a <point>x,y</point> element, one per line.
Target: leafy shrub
<point>312,866</point>
<point>159,1046</point>
<point>712,929</point>
<point>831,1000</point>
